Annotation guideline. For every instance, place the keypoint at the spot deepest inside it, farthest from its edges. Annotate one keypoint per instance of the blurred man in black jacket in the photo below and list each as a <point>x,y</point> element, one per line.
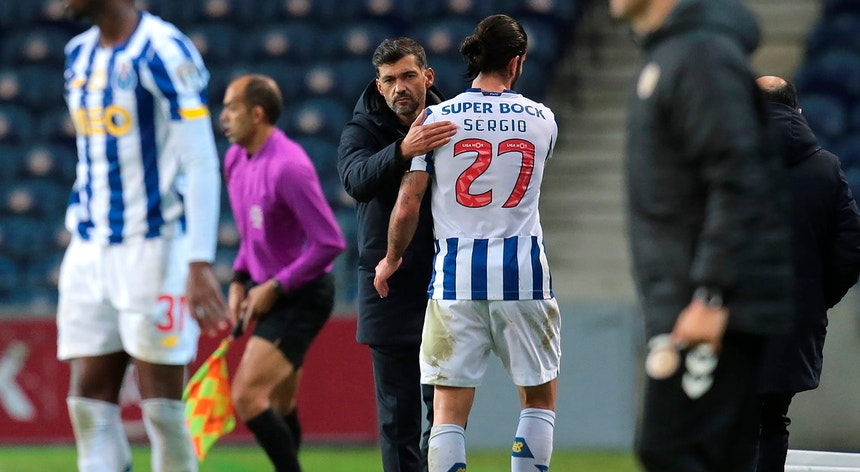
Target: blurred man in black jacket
<point>709,231</point>
<point>375,150</point>
<point>826,230</point>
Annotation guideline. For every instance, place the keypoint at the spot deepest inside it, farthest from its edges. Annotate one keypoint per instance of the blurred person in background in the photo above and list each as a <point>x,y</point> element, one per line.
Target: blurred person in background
<point>709,232</point>
<point>826,230</point>
<point>143,216</point>
<point>282,274</point>
<point>491,289</point>
<point>376,148</point>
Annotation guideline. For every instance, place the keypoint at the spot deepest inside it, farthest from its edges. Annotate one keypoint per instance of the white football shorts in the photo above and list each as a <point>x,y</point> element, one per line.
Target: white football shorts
<point>459,335</point>
<point>126,297</point>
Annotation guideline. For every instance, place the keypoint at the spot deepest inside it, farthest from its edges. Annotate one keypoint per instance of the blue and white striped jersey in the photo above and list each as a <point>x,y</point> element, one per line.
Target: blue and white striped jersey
<point>143,135</point>
<point>485,191</point>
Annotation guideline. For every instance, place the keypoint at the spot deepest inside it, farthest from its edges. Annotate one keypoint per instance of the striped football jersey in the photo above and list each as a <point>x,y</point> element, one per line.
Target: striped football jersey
<point>485,189</point>
<point>125,102</point>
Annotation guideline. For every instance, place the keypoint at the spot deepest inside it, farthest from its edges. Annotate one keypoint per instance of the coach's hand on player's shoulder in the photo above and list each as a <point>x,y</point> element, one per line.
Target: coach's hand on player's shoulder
<point>422,138</point>
<point>205,301</point>
<point>384,270</point>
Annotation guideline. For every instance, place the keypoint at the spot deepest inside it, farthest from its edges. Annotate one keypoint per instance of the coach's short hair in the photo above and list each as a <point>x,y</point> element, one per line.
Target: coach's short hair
<point>392,50</point>
<point>496,40</point>
<point>263,91</point>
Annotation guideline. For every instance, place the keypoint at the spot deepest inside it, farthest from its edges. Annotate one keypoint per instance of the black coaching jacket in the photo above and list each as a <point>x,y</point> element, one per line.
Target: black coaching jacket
<point>708,203</point>
<point>826,229</point>
<point>371,174</point>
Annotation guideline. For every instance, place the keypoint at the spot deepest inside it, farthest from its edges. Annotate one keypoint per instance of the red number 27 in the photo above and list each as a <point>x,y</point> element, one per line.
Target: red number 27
<point>484,149</point>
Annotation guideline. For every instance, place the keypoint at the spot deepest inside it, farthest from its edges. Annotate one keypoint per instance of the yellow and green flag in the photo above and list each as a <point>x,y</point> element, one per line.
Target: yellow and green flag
<point>208,408</point>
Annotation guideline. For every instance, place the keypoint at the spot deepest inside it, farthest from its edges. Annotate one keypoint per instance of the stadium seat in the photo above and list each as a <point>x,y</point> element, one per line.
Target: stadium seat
<point>450,75</point>
<point>314,11</point>
<point>834,32</point>
<point>561,11</point>
<point>216,10</point>
<point>543,43</point>
<point>360,38</point>
<point>36,198</point>
<point>319,79</point>
<point>293,41</point>
<point>16,124</point>
<point>847,147</point>
<point>443,37</point>
<point>12,86</point>
<point>35,45</point>
<point>56,126</point>
<point>472,9</point>
<point>10,154</point>
<point>834,7</point>
<point>222,266</point>
<point>351,78</point>
<point>318,117</point>
<point>835,72</point>
<point>288,77</point>
<point>181,13</point>
<point>228,234</point>
<point>215,41</point>
<point>323,153</point>
<point>825,114</point>
<point>44,87</point>
<point>9,274</point>
<point>47,161</point>
<point>44,271</point>
<point>22,237</point>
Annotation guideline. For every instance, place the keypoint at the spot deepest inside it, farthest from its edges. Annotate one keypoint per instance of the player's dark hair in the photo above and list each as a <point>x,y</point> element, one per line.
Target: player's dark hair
<point>392,50</point>
<point>496,40</point>
<point>262,91</point>
<point>784,93</point>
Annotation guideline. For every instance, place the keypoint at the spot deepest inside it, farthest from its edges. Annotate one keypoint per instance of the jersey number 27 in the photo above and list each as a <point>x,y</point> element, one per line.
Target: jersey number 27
<point>486,153</point>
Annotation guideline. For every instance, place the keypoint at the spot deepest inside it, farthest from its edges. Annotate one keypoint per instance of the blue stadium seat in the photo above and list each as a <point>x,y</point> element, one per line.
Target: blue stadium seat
<point>22,238</point>
<point>43,87</point>
<point>847,148</point>
<point>35,45</point>
<point>34,300</point>
<point>13,88</point>
<point>215,41</point>
<point>36,198</point>
<point>825,114</point>
<point>450,75</point>
<point>351,78</point>
<point>288,77</point>
<point>16,124</point>
<point>318,117</point>
<point>543,42</point>
<point>320,79</point>
<point>48,161</point>
<point>833,7</point>
<point>10,154</point>
<point>323,153</point>
<point>835,32</point>
<point>293,41</point>
<point>534,82</point>
<point>181,13</point>
<point>10,278</point>
<point>56,126</point>
<point>228,234</point>
<point>222,266</point>
<point>44,271</point>
<point>475,10</point>
<point>562,11</point>
<point>835,72</point>
<point>360,38</point>
<point>216,10</point>
<point>314,11</point>
<point>442,37</point>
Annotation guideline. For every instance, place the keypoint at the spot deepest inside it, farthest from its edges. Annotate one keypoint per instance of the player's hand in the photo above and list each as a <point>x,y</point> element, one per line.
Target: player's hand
<point>205,301</point>
<point>699,323</point>
<point>422,138</point>
<point>384,270</point>
<point>235,296</point>
<point>260,301</point>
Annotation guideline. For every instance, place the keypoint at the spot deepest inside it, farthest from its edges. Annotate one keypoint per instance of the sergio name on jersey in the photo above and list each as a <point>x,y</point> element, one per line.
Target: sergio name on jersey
<point>143,129</point>
<point>485,192</point>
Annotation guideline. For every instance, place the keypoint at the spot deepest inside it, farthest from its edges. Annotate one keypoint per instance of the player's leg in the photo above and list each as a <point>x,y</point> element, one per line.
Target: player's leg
<point>773,434</point>
<point>455,346</point>
<point>527,339</point>
<point>160,336</point>
<point>397,379</point>
<point>284,403</point>
<point>88,337</point>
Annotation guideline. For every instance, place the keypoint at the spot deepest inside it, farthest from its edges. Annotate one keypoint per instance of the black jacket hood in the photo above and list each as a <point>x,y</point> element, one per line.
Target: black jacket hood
<point>790,132</point>
<point>723,17</point>
<point>373,103</point>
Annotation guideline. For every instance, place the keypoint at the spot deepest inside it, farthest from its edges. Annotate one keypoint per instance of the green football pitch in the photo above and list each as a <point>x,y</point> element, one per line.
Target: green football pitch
<point>313,459</point>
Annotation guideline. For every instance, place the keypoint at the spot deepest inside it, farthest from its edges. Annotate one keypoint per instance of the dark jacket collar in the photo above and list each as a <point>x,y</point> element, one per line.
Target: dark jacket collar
<point>791,134</point>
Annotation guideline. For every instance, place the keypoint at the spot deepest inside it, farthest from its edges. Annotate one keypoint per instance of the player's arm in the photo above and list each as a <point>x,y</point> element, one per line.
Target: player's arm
<point>402,226</point>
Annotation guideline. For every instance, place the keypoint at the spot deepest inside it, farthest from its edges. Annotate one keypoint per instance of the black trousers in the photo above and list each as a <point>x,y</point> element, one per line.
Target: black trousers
<point>717,432</point>
<point>773,435</point>
<point>399,396</point>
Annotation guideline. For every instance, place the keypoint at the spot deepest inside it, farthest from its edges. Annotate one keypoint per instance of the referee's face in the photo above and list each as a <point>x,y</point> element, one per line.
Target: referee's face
<point>404,85</point>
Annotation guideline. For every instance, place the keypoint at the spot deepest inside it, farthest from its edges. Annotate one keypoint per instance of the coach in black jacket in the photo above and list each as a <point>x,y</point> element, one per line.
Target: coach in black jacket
<point>375,150</point>
<point>708,215</point>
<point>826,229</point>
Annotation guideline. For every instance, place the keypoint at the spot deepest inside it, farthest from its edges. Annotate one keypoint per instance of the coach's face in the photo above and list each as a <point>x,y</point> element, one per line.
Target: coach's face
<point>404,85</point>
<point>236,118</point>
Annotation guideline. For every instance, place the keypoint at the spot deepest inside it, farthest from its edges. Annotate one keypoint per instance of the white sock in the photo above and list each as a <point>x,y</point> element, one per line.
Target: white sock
<point>168,435</point>
<point>100,439</point>
<point>532,447</point>
<point>447,449</point>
